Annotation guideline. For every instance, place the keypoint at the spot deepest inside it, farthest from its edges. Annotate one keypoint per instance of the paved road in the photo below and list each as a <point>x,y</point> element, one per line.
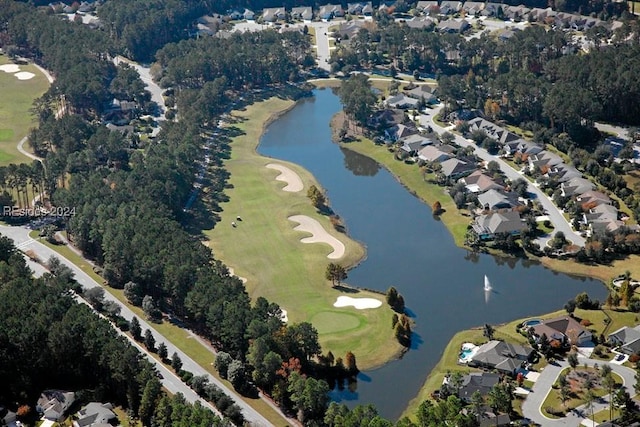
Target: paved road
<point>621,132</point>
<point>531,408</point>
<point>152,87</point>
<point>556,217</point>
<point>20,236</point>
<point>323,50</point>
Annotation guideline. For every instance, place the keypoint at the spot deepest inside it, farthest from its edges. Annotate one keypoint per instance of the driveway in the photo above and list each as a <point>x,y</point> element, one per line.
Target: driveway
<point>20,236</point>
<point>151,86</point>
<point>555,215</point>
<point>531,408</point>
<point>323,50</point>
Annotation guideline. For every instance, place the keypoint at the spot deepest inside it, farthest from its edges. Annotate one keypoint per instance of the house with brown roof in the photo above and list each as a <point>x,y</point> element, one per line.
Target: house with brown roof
<point>565,329</point>
<point>53,404</point>
<point>479,182</point>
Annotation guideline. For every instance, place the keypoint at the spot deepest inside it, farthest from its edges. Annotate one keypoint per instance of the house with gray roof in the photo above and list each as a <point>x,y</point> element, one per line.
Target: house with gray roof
<point>593,198</point>
<point>492,200</point>
<point>95,414</point>
<point>401,101</point>
<point>427,6</point>
<point>304,13</point>
<point>544,160</point>
<point>413,143</point>
<point>500,134</point>
<point>516,13</point>
<point>360,8</point>
<point>493,9</point>
<point>626,339</point>
<point>400,131</point>
<point>53,404</point>
<point>330,11</point>
<point>453,26</point>
<point>432,153</point>
<point>425,92</point>
<point>450,7</point>
<point>456,168</point>
<point>387,117</point>
<point>273,14</point>
<point>502,356</point>
<point>576,186</point>
<point>420,23</point>
<point>563,172</point>
<point>473,7</point>
<point>479,182</point>
<point>488,225</point>
<point>602,218</point>
<point>481,382</point>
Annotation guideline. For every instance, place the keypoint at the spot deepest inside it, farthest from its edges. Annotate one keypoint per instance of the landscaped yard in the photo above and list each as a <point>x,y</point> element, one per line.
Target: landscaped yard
<point>16,99</point>
<point>265,249</point>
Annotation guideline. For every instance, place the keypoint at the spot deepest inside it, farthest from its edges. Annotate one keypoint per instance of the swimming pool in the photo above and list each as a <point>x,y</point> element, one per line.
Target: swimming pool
<point>532,322</point>
<point>466,354</point>
<point>467,351</point>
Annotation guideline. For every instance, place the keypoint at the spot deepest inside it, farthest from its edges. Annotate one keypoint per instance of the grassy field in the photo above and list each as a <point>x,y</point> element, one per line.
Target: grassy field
<point>266,250</point>
<point>411,177</point>
<point>15,102</point>
<point>180,337</point>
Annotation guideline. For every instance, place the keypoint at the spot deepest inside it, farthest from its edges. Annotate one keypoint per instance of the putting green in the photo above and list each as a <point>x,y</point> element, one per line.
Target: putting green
<point>266,250</point>
<point>328,322</point>
<point>16,99</point>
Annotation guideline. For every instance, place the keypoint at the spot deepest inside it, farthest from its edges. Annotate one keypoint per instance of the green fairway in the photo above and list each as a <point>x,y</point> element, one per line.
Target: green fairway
<point>15,102</point>
<point>265,249</point>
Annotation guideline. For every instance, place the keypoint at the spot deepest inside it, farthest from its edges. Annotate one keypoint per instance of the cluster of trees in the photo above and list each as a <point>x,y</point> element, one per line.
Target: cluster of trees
<point>48,339</point>
<point>19,184</point>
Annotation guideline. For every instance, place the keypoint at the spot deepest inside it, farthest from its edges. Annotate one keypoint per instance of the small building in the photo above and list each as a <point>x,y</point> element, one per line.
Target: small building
<point>504,357</point>
<point>492,200</point>
<point>453,26</point>
<point>413,143</point>
<point>428,7</point>
<point>304,13</point>
<point>53,404</point>
<point>488,225</point>
<point>456,168</point>
<point>450,7</point>
<point>273,14</point>
<point>400,131</point>
<point>626,339</point>
<point>420,23</point>
<point>576,186</point>
<point>95,414</point>
<point>330,11</point>
<point>482,382</point>
<point>424,92</point>
<point>431,153</point>
<point>473,7</point>
<point>479,182</point>
<point>565,329</point>
<point>401,101</point>
<point>360,8</point>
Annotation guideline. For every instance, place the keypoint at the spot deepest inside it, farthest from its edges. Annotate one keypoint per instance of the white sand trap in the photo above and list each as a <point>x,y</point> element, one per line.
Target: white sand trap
<point>294,183</point>
<point>359,303</point>
<point>9,68</point>
<point>284,316</point>
<point>319,235</point>
<point>24,75</point>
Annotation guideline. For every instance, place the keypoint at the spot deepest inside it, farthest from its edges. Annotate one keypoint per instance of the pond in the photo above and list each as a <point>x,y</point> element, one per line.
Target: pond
<point>442,284</point>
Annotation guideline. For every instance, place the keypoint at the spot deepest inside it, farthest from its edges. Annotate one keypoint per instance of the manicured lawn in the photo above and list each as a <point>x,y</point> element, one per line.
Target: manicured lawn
<point>598,271</point>
<point>266,250</point>
<point>15,101</point>
<point>411,177</point>
<point>178,336</point>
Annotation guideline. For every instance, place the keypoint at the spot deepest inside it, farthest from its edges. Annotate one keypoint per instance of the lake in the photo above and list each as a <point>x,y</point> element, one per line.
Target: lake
<point>442,284</point>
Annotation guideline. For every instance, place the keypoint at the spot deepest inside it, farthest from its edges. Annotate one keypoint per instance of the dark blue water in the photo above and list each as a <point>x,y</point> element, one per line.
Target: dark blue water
<point>406,248</point>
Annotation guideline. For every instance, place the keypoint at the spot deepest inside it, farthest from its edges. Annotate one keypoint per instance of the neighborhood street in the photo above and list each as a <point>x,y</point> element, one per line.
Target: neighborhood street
<point>20,236</point>
<point>555,215</point>
<point>531,408</point>
<point>323,50</point>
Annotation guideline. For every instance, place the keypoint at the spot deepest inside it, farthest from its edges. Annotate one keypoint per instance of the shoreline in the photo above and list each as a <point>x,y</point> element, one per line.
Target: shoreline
<point>284,271</point>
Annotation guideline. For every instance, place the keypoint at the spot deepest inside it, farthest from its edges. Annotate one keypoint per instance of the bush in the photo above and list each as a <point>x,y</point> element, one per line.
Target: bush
<point>185,376</point>
<point>586,322</point>
<point>634,358</point>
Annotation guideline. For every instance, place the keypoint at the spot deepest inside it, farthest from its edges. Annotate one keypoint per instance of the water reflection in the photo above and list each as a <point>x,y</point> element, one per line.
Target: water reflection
<point>358,164</point>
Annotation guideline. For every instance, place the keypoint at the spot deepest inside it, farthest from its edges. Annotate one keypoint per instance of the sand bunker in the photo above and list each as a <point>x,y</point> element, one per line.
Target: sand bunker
<point>319,235</point>
<point>9,68</point>
<point>232,273</point>
<point>294,183</point>
<point>284,316</point>
<point>24,75</point>
<point>359,303</point>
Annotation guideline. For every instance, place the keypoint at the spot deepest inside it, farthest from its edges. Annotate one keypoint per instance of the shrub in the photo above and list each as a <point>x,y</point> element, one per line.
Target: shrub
<point>634,358</point>
<point>586,322</point>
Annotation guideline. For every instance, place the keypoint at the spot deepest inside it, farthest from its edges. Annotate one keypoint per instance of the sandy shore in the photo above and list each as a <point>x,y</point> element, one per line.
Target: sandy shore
<point>294,183</point>
<point>319,235</point>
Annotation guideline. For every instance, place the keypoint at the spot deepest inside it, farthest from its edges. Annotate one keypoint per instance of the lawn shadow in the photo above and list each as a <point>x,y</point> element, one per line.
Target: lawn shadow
<point>346,289</point>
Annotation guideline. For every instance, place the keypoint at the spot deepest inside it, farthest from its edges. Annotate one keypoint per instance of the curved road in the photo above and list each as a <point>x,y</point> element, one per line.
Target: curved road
<point>531,408</point>
<point>555,215</point>
<point>20,236</point>
<point>152,87</point>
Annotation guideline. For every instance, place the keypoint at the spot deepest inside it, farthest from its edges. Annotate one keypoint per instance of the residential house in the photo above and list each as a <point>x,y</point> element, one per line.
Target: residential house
<point>516,13</point>
<point>602,218</point>
<point>428,7</point>
<point>490,419</point>
<point>576,186</point>
<point>473,7</point>
<point>399,131</point>
<point>95,414</point>
<point>453,26</point>
<point>565,329</point>
<point>502,356</point>
<point>456,168</point>
<point>521,146</point>
<point>493,9</point>
<point>432,153</point>
<point>273,14</point>
<point>592,198</point>
<point>401,101</point>
<point>413,143</point>
<point>387,117</point>
<point>450,7</point>
<point>53,404</point>
<point>420,23</point>
<point>304,13</point>
<point>482,382</point>
<point>479,182</point>
<point>488,225</point>
<point>360,8</point>
<point>348,30</point>
<point>330,11</point>
<point>562,172</point>
<point>543,161</point>
<point>492,200</point>
<point>626,339</point>
<point>249,15</point>
<point>424,92</point>
<point>500,134</point>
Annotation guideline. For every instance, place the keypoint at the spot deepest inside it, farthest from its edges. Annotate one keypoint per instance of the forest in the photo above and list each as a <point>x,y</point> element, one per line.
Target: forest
<point>49,341</point>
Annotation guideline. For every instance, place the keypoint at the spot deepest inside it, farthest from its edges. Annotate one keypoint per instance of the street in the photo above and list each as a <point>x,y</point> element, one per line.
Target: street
<point>555,215</point>
<point>20,236</point>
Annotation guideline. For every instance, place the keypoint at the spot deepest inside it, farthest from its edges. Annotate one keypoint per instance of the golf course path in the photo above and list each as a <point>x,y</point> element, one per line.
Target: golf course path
<point>318,235</point>
<point>294,183</point>
<point>25,152</point>
<point>232,272</point>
